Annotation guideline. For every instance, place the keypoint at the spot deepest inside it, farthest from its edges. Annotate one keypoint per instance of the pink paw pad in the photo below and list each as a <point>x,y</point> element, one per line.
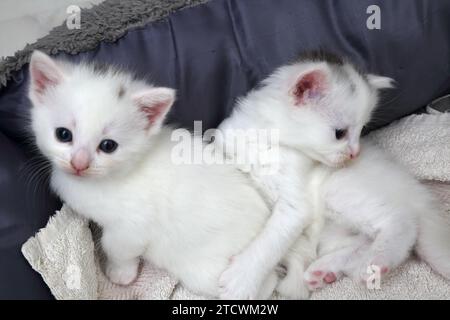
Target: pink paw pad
<point>317,273</point>
<point>384,270</point>
<point>330,277</point>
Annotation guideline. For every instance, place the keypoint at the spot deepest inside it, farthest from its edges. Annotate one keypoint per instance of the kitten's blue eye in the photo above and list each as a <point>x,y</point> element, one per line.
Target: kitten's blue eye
<point>108,146</point>
<point>340,133</point>
<point>63,135</point>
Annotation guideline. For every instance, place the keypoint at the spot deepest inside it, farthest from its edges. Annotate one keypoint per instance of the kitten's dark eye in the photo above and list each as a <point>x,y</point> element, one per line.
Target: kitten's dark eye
<point>340,133</point>
<point>108,146</point>
<point>63,134</point>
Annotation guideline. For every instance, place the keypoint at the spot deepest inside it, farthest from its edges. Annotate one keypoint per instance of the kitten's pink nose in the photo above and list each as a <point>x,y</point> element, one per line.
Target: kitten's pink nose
<point>354,152</point>
<point>80,160</point>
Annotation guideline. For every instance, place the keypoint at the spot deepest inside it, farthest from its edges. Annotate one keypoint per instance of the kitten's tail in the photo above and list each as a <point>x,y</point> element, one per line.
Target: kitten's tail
<point>433,244</point>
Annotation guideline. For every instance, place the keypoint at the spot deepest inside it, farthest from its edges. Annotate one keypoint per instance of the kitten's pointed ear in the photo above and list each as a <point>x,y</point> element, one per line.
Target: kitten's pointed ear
<point>45,73</point>
<point>155,103</point>
<point>380,82</point>
<point>309,86</point>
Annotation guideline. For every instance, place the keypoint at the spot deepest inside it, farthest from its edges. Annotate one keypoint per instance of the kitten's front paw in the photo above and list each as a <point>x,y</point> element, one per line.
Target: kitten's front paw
<point>239,280</point>
<point>122,274</point>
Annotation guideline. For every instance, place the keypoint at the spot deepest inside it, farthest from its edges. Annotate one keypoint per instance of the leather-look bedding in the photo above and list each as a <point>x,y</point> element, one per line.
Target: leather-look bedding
<point>212,54</point>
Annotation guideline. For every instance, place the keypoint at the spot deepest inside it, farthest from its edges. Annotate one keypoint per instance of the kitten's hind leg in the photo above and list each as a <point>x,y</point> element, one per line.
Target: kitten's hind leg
<point>332,265</point>
<point>389,223</point>
<point>388,250</point>
<point>327,269</point>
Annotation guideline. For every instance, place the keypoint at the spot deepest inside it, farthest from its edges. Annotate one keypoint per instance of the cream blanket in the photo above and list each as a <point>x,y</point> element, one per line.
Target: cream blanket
<point>64,252</point>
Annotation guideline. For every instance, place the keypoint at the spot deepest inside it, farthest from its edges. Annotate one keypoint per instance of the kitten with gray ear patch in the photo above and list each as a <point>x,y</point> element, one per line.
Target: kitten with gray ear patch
<point>320,105</point>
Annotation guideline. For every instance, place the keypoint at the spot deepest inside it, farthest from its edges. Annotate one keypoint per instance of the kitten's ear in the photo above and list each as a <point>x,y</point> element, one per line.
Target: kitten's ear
<point>379,82</point>
<point>310,86</point>
<point>155,103</point>
<point>45,73</point>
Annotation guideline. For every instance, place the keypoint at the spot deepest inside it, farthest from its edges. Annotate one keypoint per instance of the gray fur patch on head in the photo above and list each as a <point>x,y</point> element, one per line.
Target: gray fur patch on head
<point>322,55</point>
<point>339,66</point>
<point>352,88</point>
<point>336,62</point>
<point>121,91</point>
<point>342,75</point>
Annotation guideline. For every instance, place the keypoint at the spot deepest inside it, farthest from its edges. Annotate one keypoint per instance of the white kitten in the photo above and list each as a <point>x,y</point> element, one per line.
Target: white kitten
<point>377,212</point>
<point>111,157</point>
<point>294,100</point>
<point>320,106</point>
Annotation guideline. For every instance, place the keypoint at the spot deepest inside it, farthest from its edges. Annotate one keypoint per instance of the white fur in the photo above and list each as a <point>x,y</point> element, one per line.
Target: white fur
<point>187,219</point>
<point>371,218</point>
<point>374,220</point>
<point>191,219</point>
<point>307,135</point>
